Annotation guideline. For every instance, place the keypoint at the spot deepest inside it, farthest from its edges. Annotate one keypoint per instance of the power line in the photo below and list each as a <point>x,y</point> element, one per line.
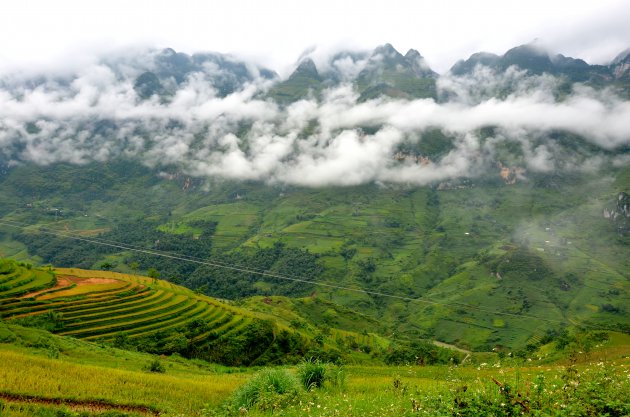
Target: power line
<point>270,274</point>
<point>95,240</point>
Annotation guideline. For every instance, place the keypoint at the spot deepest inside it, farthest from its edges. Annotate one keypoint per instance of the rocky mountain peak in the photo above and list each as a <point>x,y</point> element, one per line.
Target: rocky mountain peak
<point>413,54</point>
<point>623,57</point>
<point>418,64</point>
<point>529,57</point>
<point>480,58</point>
<point>306,68</point>
<point>620,66</point>
<point>387,50</point>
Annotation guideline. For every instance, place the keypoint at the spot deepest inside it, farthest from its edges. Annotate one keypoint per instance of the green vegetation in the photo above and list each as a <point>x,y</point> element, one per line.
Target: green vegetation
<point>504,293</point>
<point>17,279</point>
<point>271,389</point>
<point>155,316</point>
<point>421,353</point>
<point>48,375</point>
<point>45,374</point>
<point>457,392</point>
<point>566,373</point>
<point>458,251</point>
<point>312,373</point>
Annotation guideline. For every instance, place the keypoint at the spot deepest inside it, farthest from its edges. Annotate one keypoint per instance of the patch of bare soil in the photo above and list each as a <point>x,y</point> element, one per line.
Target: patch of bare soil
<point>62,281</point>
<point>92,281</point>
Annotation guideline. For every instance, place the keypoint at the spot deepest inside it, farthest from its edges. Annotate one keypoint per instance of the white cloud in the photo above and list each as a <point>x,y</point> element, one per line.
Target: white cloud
<point>97,116</point>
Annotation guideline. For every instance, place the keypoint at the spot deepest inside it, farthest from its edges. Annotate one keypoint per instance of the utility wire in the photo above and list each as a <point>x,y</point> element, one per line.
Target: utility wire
<point>96,240</point>
<point>270,274</point>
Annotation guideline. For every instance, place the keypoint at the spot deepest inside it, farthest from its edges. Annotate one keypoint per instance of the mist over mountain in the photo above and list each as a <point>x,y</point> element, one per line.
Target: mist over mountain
<point>355,117</point>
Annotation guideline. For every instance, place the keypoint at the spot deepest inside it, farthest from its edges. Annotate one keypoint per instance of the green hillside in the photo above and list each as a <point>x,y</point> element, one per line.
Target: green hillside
<point>449,250</point>
<point>130,311</point>
<point>194,235</point>
<point>461,226</point>
<point>48,375</point>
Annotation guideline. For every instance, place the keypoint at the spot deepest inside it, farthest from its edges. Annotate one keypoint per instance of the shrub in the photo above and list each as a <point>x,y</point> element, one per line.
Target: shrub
<point>156,366</point>
<point>50,321</point>
<point>312,373</point>
<point>420,353</point>
<point>268,389</point>
<point>53,352</point>
<point>6,335</point>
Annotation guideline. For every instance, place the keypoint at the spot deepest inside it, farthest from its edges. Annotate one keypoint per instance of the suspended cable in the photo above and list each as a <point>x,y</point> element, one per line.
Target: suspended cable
<point>268,274</point>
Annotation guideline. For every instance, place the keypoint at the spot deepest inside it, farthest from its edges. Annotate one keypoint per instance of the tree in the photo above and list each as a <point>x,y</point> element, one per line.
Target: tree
<point>121,340</point>
<point>153,273</point>
<point>107,266</point>
<point>347,253</point>
<point>178,343</point>
<point>134,267</point>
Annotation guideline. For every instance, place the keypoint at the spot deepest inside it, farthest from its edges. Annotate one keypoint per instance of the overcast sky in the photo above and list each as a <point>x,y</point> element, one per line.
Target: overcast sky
<point>276,32</point>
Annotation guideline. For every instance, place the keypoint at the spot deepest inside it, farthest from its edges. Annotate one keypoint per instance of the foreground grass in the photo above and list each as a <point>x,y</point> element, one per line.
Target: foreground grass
<point>35,363</point>
<point>585,390</point>
<point>43,375</point>
<point>173,394</point>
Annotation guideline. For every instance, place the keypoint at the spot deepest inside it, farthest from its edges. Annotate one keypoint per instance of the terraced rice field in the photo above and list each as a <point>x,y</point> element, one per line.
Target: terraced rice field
<point>126,310</point>
<point>98,305</point>
<point>17,280</point>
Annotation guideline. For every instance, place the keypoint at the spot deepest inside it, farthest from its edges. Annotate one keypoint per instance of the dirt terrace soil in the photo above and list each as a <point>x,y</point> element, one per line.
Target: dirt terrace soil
<point>91,281</point>
<point>62,281</point>
<point>79,405</point>
<point>68,280</point>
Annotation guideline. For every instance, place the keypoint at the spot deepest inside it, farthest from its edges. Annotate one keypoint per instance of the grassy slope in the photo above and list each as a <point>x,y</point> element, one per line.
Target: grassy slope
<point>143,307</point>
<point>435,246</point>
<point>432,253</point>
<point>36,363</point>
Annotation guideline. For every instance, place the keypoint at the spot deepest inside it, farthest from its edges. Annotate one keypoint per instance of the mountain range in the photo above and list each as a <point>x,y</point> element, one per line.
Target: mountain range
<point>381,72</point>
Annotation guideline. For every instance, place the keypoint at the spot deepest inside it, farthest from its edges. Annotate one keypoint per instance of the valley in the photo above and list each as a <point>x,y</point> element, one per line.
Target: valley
<point>197,235</point>
<point>453,258</point>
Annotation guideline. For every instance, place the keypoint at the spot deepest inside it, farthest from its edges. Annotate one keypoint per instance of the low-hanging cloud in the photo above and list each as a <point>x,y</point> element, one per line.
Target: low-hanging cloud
<point>334,140</point>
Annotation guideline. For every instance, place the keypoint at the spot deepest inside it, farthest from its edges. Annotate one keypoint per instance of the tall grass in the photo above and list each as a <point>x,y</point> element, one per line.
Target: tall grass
<point>268,390</point>
<point>312,373</point>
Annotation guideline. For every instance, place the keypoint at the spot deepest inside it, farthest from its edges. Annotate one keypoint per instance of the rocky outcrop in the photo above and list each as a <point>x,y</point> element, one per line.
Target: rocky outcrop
<point>510,175</point>
<point>619,213</point>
